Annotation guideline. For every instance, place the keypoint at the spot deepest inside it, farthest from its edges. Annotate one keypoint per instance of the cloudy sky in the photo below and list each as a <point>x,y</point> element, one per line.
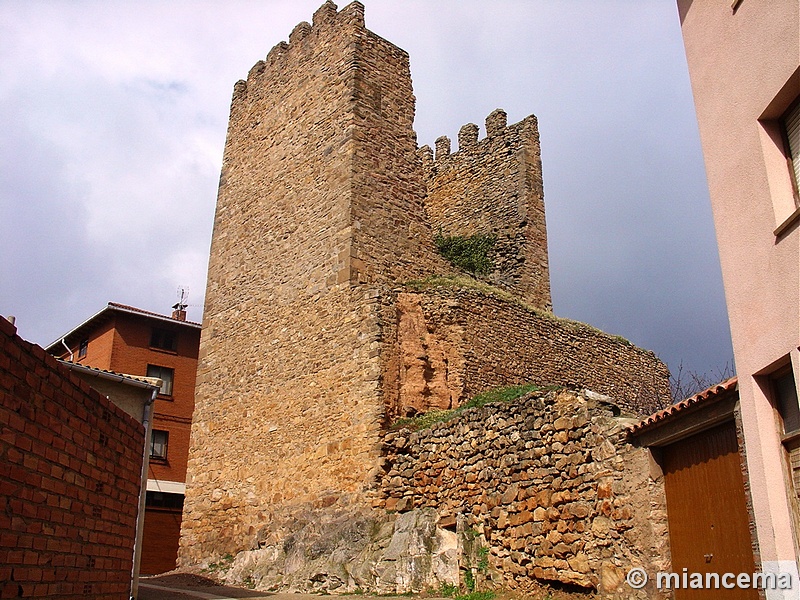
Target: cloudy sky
<point>113,117</point>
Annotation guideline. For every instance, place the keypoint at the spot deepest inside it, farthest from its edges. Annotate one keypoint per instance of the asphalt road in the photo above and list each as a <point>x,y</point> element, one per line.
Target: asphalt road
<point>179,586</point>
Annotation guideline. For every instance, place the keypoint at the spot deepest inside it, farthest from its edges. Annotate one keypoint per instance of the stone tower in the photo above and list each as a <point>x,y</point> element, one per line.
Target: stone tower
<point>320,205</point>
<point>320,320</point>
<point>494,186</point>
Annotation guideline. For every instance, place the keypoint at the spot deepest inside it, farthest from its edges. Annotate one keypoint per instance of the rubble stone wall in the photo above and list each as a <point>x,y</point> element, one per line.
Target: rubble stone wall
<point>547,484</point>
<point>452,342</point>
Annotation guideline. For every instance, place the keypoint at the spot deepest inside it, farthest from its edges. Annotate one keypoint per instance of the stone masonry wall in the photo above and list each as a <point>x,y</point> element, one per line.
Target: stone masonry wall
<point>494,186</point>
<point>306,354</point>
<point>70,474</point>
<point>546,484</point>
<point>320,200</point>
<point>295,422</point>
<point>451,343</point>
<point>391,236</point>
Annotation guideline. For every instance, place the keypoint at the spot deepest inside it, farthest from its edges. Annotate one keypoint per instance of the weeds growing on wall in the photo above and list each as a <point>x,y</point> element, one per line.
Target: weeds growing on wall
<point>468,253</point>
<point>223,565</point>
<point>505,394</point>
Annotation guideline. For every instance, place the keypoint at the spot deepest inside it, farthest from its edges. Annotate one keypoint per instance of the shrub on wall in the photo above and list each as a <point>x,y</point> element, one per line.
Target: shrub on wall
<point>469,253</point>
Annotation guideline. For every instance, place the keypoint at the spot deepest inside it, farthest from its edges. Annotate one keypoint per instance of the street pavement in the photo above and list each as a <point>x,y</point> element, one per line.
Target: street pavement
<point>182,586</point>
<point>194,587</point>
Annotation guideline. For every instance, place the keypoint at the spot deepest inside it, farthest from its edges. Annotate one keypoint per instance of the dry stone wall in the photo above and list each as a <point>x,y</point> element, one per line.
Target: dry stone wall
<point>453,342</point>
<point>494,187</point>
<point>547,484</point>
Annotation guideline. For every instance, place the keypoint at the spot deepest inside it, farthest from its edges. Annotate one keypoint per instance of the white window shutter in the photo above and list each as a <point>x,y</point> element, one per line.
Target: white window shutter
<point>792,122</point>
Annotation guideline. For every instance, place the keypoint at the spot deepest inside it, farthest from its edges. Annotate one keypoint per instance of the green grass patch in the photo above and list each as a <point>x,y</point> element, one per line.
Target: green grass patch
<point>469,583</point>
<point>431,418</point>
<point>506,394</point>
<point>468,253</point>
<point>447,590</point>
<point>483,559</point>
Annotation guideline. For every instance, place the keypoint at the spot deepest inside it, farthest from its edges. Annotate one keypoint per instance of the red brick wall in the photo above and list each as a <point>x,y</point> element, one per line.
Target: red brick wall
<point>98,352</point>
<point>70,468</point>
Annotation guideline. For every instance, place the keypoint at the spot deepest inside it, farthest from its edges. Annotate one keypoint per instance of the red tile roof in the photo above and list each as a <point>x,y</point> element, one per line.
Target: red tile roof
<point>147,313</point>
<point>124,377</point>
<point>105,312</point>
<point>707,396</point>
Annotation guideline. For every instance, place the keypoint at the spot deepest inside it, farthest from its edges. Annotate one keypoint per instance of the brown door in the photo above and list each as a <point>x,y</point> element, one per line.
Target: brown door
<point>162,530</point>
<point>709,525</point>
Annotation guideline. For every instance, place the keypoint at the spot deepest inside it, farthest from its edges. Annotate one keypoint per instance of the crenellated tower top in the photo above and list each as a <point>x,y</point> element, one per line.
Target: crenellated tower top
<point>493,187</point>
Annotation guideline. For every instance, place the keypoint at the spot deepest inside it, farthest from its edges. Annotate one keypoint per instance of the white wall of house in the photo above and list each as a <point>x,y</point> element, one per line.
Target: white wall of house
<point>744,64</point>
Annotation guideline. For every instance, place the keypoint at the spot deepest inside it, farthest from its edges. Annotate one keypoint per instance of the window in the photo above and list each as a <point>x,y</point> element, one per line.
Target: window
<point>158,444</point>
<point>83,348</point>
<point>785,393</point>
<point>784,396</point>
<point>164,339</point>
<point>166,376</point>
<point>790,123</point>
<point>164,500</point>
<point>780,144</point>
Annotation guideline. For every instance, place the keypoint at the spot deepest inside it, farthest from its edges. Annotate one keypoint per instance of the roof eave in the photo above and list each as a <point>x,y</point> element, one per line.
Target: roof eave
<point>56,346</point>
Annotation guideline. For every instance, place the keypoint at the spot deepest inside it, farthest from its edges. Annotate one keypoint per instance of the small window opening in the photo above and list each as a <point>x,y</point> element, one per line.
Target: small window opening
<point>790,123</point>
<point>158,444</point>
<point>164,339</point>
<point>165,374</point>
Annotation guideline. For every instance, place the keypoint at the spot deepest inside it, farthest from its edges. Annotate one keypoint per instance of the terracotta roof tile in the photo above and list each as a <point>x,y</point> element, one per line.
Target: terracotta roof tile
<point>137,378</point>
<point>146,312</point>
<point>708,395</point>
<point>112,307</point>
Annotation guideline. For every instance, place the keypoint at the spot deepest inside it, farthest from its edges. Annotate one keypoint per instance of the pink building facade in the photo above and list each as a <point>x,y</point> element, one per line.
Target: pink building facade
<point>744,64</point>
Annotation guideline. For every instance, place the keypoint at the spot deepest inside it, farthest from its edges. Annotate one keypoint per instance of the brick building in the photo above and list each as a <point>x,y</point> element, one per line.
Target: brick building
<point>124,339</point>
<point>70,478</point>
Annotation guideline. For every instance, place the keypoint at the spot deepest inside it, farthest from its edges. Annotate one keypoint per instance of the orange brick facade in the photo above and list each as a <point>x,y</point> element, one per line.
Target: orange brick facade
<point>70,471</point>
<point>119,339</point>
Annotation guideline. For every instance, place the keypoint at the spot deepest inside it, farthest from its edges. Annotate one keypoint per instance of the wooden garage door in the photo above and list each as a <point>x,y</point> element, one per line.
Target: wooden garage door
<point>708,519</point>
<point>162,530</point>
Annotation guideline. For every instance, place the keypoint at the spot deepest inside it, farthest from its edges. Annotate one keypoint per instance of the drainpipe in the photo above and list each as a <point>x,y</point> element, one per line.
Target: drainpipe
<point>137,547</point>
<point>63,341</point>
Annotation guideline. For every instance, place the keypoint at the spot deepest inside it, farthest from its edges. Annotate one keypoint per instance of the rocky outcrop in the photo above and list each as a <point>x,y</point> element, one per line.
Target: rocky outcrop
<point>339,549</point>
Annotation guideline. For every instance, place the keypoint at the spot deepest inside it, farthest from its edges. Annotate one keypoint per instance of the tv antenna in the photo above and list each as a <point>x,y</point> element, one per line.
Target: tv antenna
<point>183,296</point>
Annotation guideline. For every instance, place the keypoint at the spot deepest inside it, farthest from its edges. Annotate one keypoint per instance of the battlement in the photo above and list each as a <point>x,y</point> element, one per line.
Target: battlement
<point>493,186</point>
<point>320,205</point>
<point>496,125</point>
<point>305,39</point>
<point>310,340</point>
